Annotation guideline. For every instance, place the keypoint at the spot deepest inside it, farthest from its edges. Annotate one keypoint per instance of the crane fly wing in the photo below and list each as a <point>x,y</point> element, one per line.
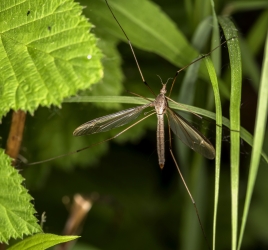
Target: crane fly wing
<point>109,122</point>
<point>190,135</point>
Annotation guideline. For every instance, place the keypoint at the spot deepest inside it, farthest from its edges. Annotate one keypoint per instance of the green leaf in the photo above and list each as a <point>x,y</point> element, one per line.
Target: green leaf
<point>16,210</point>
<point>41,241</point>
<point>260,125</point>
<point>213,77</point>
<point>47,53</point>
<point>158,35</point>
<point>235,102</point>
<point>216,55</point>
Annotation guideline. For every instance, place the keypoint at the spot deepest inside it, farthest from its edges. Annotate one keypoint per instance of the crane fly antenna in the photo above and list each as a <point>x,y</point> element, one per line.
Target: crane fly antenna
<point>162,80</point>
<point>132,50</point>
<point>196,60</point>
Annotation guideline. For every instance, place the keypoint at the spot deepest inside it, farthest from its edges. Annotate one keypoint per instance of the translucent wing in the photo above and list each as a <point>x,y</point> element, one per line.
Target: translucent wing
<point>109,122</point>
<point>190,136</point>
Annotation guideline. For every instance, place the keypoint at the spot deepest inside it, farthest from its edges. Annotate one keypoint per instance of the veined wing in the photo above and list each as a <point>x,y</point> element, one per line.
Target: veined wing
<point>109,122</point>
<point>190,136</point>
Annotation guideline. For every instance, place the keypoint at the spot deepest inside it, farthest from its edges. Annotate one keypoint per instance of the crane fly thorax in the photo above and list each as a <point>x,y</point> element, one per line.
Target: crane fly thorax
<point>160,104</point>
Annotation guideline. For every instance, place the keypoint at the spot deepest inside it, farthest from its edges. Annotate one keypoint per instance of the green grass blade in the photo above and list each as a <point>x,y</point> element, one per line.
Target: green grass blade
<point>235,102</point>
<point>260,126</point>
<point>216,55</point>
<point>213,78</point>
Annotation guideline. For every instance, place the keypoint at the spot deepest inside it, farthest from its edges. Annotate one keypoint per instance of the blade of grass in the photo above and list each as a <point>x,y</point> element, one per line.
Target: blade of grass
<point>216,55</point>
<point>235,102</point>
<point>214,82</point>
<point>258,139</point>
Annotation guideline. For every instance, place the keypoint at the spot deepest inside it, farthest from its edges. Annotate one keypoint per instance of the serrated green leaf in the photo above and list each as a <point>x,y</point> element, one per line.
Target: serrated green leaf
<point>47,53</point>
<point>41,242</point>
<point>16,210</point>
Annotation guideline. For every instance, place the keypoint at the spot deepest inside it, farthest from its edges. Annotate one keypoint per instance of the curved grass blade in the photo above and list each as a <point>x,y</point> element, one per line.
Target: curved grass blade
<point>214,82</point>
<point>216,55</point>
<point>235,103</point>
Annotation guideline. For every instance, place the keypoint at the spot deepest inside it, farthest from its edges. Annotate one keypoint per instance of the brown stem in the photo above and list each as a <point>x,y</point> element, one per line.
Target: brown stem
<point>15,134</point>
<point>78,212</point>
<point>14,141</point>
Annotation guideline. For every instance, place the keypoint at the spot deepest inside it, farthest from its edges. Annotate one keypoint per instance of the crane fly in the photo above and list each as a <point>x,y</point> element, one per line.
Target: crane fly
<point>180,127</point>
<point>176,123</point>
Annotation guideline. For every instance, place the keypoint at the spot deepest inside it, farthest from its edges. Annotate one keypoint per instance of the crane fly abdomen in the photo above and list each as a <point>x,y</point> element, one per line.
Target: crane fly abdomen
<point>161,105</point>
<point>160,138</point>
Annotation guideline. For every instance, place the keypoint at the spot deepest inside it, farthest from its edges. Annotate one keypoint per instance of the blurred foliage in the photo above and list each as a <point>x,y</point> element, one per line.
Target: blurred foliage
<point>140,206</point>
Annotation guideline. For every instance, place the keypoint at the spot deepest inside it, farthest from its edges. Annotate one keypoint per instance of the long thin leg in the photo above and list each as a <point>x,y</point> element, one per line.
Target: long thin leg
<point>185,185</point>
<point>191,197</point>
<point>200,58</point>
<point>92,145</point>
<point>132,50</point>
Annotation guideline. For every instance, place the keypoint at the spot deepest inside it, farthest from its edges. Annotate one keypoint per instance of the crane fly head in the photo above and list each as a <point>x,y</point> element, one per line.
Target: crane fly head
<point>163,90</point>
